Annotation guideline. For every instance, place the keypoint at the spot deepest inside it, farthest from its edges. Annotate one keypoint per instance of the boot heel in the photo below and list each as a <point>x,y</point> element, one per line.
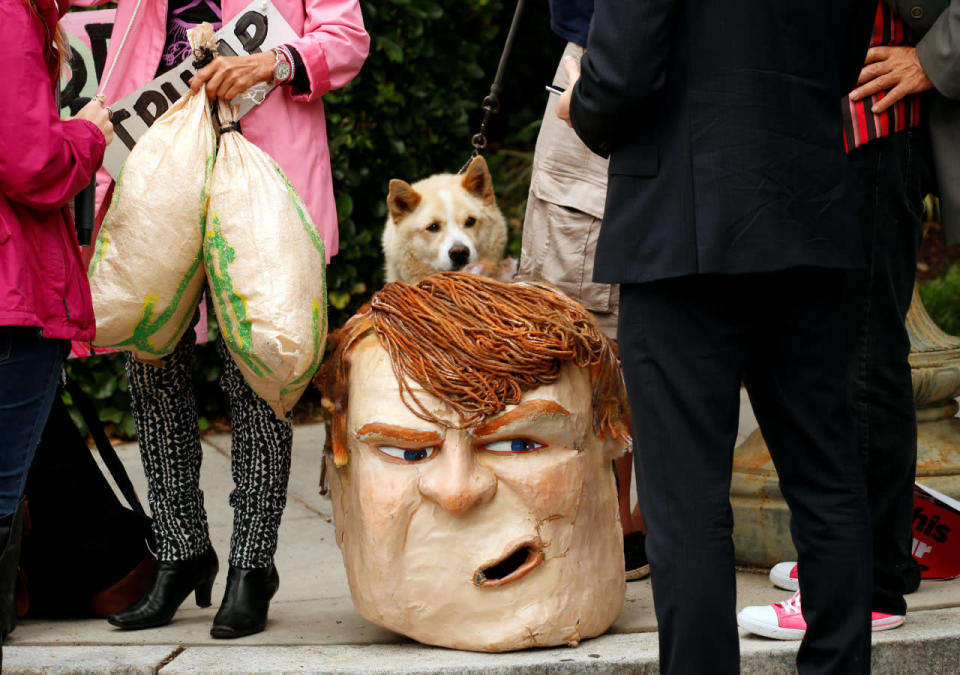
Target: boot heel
<point>203,593</point>
<point>171,584</point>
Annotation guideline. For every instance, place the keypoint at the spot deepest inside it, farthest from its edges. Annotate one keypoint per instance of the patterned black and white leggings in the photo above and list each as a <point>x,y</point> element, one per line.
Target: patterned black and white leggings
<point>165,412</point>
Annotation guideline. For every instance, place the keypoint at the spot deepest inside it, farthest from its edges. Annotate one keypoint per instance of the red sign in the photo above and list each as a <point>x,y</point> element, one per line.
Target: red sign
<point>936,533</point>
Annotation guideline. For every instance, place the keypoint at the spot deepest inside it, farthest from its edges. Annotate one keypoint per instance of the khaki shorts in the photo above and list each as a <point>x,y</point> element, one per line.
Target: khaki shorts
<point>568,188</point>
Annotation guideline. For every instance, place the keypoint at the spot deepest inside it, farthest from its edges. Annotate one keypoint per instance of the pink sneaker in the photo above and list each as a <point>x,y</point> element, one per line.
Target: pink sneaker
<point>784,620</point>
<point>784,575</point>
<point>881,621</point>
<point>780,620</point>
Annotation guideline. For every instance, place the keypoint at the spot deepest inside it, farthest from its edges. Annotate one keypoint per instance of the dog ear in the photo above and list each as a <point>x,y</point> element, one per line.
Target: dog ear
<point>402,199</point>
<point>477,180</point>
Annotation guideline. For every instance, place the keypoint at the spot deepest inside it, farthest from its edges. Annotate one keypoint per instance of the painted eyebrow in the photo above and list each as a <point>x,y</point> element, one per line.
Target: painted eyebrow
<point>524,410</point>
<point>379,430</point>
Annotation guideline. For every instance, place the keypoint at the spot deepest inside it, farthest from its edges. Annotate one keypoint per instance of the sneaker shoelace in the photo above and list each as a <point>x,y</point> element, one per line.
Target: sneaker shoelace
<point>791,606</point>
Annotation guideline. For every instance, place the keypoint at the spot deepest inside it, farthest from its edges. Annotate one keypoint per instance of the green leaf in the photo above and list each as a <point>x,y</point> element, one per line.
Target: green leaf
<point>392,49</point>
<point>344,205</point>
<point>338,299</point>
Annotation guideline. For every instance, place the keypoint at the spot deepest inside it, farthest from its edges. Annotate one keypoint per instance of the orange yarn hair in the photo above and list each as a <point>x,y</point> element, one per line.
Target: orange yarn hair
<point>477,344</point>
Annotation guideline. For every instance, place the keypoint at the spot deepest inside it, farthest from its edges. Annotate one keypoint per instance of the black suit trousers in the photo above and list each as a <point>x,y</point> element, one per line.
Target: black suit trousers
<point>686,346</point>
<point>891,176</point>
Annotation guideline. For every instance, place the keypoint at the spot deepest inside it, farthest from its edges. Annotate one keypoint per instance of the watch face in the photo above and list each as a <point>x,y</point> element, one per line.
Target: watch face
<point>282,72</point>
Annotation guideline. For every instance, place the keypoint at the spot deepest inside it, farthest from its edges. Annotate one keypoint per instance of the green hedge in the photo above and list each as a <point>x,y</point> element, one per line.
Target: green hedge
<point>410,112</point>
<point>941,298</point>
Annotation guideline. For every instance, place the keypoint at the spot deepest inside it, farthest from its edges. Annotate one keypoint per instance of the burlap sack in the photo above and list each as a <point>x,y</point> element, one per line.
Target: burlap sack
<point>266,266</point>
<point>146,274</point>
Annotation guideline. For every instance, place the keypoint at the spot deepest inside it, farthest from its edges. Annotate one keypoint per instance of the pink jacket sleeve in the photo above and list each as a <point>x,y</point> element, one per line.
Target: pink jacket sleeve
<point>44,162</point>
<point>333,47</point>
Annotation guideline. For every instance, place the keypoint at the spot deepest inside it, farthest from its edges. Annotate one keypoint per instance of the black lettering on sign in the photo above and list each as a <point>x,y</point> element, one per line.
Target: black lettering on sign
<point>186,76</point>
<point>172,94</point>
<point>78,78</point>
<point>940,532</point>
<point>251,30</point>
<point>919,520</point>
<point>99,34</point>
<point>119,117</point>
<point>224,49</point>
<point>147,100</point>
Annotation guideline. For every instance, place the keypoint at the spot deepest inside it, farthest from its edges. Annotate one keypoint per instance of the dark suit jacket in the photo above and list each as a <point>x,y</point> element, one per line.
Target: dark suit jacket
<point>937,23</point>
<point>722,122</point>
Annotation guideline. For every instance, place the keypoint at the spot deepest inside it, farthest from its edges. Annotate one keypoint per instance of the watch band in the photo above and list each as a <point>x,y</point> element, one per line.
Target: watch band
<point>283,65</point>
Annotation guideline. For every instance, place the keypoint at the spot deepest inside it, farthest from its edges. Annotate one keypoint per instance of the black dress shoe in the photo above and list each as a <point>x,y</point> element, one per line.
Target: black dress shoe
<point>172,582</point>
<point>245,602</point>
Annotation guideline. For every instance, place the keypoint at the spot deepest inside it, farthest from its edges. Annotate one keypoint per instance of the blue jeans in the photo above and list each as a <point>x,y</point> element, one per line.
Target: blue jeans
<point>30,368</point>
<point>890,178</point>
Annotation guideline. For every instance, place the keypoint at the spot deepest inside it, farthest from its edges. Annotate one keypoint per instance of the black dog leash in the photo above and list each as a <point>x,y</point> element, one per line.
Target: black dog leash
<point>491,102</point>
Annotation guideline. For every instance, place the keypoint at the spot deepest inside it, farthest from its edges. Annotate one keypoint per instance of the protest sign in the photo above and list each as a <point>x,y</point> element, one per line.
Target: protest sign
<point>936,533</point>
<point>257,28</point>
<point>89,36</point>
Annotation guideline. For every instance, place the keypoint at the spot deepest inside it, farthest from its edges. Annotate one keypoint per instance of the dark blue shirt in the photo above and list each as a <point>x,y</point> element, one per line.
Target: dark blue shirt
<point>570,19</point>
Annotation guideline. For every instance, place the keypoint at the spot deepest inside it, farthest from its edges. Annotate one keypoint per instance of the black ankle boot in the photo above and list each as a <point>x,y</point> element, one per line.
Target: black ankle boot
<point>172,582</point>
<point>11,530</point>
<point>245,602</point>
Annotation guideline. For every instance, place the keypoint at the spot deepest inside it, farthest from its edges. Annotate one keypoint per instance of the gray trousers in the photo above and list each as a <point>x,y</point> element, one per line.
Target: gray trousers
<point>568,188</point>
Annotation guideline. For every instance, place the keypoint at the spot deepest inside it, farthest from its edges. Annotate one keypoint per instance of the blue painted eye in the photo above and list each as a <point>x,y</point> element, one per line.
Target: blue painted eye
<point>513,446</point>
<point>407,454</point>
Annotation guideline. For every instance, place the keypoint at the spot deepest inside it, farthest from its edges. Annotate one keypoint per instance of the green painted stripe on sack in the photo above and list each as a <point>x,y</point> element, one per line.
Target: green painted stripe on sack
<point>319,332</point>
<point>205,190</point>
<point>146,327</point>
<point>170,344</point>
<point>103,237</point>
<point>305,219</point>
<point>235,325</point>
<point>99,249</point>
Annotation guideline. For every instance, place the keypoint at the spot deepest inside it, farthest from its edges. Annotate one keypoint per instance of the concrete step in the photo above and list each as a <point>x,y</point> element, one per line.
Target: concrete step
<point>928,643</point>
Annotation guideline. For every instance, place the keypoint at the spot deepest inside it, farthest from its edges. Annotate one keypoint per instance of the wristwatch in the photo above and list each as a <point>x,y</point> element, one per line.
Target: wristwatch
<point>282,66</point>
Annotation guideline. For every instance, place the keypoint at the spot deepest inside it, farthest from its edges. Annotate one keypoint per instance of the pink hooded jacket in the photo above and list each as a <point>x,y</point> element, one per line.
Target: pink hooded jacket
<point>290,128</point>
<point>44,163</point>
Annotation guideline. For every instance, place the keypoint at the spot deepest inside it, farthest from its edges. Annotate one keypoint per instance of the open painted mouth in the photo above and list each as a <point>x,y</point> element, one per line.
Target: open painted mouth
<point>516,563</point>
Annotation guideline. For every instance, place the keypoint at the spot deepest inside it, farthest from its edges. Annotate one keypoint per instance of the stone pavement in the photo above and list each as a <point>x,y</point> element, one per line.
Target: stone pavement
<point>314,627</point>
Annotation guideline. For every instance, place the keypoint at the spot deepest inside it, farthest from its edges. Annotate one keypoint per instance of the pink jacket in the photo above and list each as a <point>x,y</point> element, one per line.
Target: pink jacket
<point>291,129</point>
<point>44,163</point>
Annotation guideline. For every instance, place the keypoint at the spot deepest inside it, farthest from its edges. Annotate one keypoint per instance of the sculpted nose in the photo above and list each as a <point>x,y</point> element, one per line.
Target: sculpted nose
<point>455,480</point>
<point>459,256</point>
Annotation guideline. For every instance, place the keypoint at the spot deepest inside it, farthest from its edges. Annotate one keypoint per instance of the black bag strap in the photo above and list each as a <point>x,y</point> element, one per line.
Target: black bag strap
<point>89,412</point>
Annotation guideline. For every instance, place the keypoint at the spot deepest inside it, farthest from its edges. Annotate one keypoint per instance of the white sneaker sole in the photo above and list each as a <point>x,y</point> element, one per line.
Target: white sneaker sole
<point>783,580</point>
<point>778,633</point>
<point>766,630</point>
<point>887,623</point>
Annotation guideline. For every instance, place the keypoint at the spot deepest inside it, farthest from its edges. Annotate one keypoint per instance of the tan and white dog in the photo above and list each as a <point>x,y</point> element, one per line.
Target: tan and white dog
<point>442,223</point>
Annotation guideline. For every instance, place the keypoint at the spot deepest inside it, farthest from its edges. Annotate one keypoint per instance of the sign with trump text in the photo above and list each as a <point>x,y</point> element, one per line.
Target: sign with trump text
<point>257,28</point>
